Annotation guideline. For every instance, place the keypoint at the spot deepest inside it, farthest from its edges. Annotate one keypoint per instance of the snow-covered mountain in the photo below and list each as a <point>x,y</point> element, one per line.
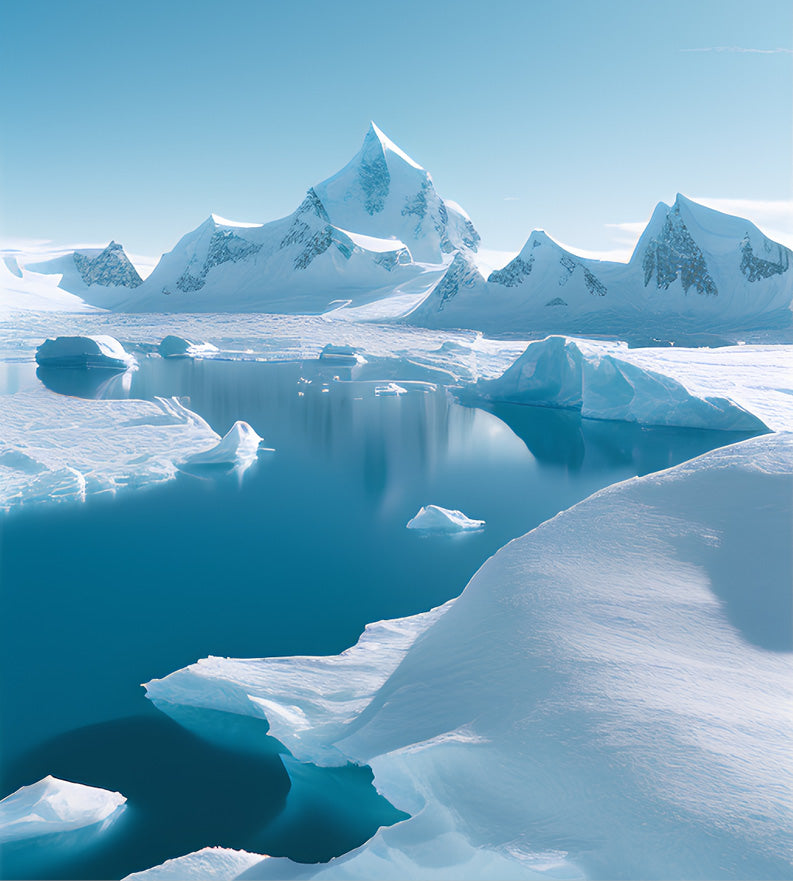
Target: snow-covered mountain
<point>358,236</point>
<point>692,264</point>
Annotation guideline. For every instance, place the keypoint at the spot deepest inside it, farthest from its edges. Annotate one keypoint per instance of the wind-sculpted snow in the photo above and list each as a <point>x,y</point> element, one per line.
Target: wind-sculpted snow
<point>609,696</point>
<point>110,267</point>
<point>603,383</point>
<point>55,806</point>
<point>59,448</point>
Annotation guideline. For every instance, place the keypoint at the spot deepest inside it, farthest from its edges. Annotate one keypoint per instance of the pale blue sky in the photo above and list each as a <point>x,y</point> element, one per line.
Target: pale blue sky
<point>133,121</point>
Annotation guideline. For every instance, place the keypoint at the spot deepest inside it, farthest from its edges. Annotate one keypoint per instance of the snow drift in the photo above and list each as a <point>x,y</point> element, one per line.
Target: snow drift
<point>609,696</point>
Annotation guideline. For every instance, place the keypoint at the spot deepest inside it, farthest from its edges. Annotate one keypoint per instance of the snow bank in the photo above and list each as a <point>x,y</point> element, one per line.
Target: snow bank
<point>176,347</point>
<point>84,351</point>
<point>609,696</point>
<point>239,446</point>
<point>433,518</point>
<point>56,448</point>
<point>54,805</point>
<point>602,382</point>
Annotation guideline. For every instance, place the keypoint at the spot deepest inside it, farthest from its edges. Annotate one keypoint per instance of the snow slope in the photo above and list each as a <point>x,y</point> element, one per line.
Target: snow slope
<point>693,269</point>
<point>602,381</point>
<point>565,715</point>
<point>52,806</point>
<point>54,447</point>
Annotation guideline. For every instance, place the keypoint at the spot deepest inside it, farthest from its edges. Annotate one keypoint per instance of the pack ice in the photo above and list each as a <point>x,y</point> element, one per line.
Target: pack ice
<point>433,518</point>
<point>96,352</point>
<point>54,805</point>
<point>609,696</point>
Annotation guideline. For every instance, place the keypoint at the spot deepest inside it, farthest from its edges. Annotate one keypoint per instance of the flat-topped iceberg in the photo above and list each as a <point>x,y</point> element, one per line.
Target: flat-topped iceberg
<point>101,351</point>
<point>173,346</point>
<point>239,446</point>
<point>433,518</point>
<point>607,381</point>
<point>53,806</point>
<point>615,680</point>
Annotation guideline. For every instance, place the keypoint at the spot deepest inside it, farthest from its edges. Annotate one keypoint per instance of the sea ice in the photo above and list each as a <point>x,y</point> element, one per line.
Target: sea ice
<point>84,351</point>
<point>433,518</point>
<point>54,805</point>
<point>54,447</point>
<point>615,680</point>
<point>389,390</point>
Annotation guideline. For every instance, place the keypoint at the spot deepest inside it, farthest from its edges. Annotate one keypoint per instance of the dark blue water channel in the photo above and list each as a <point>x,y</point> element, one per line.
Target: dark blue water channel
<point>293,557</point>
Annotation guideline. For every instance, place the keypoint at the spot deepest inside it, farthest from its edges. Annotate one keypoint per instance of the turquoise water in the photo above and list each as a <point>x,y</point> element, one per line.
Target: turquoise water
<point>293,557</point>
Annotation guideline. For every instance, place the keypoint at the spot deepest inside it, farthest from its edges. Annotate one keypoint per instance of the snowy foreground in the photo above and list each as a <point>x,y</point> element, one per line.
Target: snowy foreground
<point>609,697</point>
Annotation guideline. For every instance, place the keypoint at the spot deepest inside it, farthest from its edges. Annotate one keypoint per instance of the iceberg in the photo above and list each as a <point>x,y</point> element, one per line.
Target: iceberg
<point>346,356</point>
<point>178,347</point>
<point>603,381</point>
<point>389,390</point>
<point>238,447</point>
<point>54,806</point>
<point>615,680</point>
<point>433,518</point>
<point>103,352</point>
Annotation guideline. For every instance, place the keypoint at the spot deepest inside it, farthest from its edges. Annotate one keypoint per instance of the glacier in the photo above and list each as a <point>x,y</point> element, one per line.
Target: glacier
<point>55,806</point>
<point>615,680</point>
<point>433,518</point>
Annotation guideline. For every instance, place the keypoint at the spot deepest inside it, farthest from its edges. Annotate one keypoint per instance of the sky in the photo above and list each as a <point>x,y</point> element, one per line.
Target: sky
<point>134,121</point>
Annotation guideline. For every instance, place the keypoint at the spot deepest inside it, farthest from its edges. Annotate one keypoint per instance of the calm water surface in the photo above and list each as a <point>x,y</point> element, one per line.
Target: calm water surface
<point>294,556</point>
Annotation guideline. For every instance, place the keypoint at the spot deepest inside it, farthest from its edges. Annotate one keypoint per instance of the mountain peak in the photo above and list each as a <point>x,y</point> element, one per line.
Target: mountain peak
<point>377,139</point>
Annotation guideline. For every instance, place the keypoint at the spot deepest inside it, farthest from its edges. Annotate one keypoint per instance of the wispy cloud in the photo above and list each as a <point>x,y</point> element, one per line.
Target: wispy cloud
<point>742,49</point>
<point>512,198</point>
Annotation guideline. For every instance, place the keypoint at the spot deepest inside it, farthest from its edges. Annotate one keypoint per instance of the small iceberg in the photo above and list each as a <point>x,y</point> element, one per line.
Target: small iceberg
<point>54,806</point>
<point>238,448</point>
<point>80,352</point>
<point>390,390</point>
<point>344,356</point>
<point>433,518</point>
<point>178,347</point>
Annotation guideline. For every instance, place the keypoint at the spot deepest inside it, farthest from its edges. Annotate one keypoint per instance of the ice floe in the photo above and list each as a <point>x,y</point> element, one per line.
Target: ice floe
<point>54,447</point>
<point>433,518</point>
<point>615,680</point>
<point>53,806</point>
<point>100,351</point>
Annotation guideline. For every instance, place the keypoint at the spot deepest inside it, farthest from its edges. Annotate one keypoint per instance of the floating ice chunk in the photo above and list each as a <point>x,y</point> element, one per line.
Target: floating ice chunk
<point>239,446</point>
<point>433,518</point>
<point>54,805</point>
<point>179,347</point>
<point>84,351</point>
<point>344,356</point>
<point>390,390</point>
